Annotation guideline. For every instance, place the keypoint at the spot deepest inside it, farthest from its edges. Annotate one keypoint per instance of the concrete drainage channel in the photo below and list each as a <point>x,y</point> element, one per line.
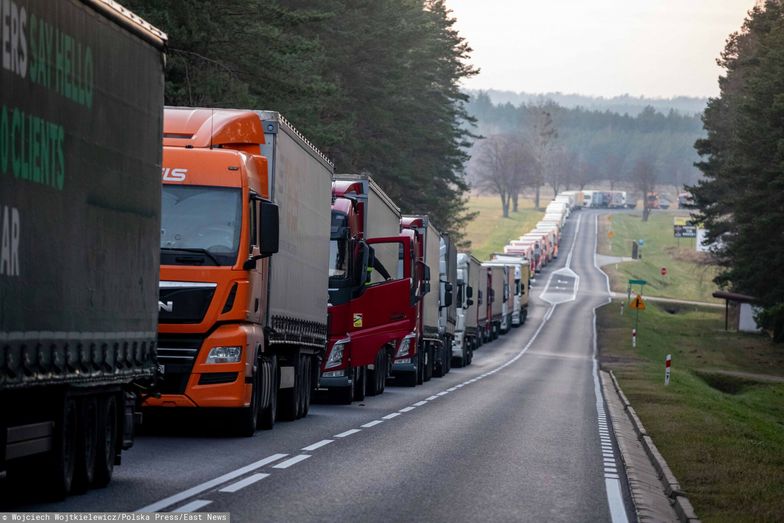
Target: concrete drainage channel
<point>656,493</point>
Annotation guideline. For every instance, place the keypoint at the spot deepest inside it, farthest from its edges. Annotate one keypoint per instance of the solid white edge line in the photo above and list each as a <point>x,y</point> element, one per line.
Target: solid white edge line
<point>193,506</point>
<point>612,486</point>
<point>347,433</point>
<point>318,445</point>
<point>207,485</point>
<point>241,484</point>
<point>372,424</point>
<point>291,461</point>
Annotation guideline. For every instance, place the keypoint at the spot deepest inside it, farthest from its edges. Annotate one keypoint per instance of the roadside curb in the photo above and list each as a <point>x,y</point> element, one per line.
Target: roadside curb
<point>677,496</point>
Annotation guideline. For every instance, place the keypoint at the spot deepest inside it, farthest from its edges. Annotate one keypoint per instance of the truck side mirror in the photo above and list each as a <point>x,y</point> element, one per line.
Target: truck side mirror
<point>469,292</point>
<point>447,294</point>
<point>270,228</point>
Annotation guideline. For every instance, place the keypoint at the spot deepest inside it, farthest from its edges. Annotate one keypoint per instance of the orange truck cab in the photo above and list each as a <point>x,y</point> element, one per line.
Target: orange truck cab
<point>245,230</point>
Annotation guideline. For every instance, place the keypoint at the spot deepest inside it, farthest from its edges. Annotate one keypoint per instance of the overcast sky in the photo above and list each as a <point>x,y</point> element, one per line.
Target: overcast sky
<point>656,48</point>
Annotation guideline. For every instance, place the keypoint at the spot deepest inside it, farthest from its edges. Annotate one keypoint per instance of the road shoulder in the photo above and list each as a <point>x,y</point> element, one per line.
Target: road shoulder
<point>655,491</point>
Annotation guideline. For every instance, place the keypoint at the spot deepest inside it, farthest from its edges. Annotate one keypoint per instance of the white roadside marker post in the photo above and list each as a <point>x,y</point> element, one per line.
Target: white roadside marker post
<point>634,338</point>
<point>667,363</point>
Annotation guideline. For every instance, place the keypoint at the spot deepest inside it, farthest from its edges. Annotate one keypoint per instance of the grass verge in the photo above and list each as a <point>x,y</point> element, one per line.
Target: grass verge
<point>689,273</point>
<point>720,422</point>
<point>490,231</point>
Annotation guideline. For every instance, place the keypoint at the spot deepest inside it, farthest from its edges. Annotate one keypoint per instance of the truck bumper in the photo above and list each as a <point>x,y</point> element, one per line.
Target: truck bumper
<point>335,381</point>
<point>235,395</point>
<point>457,346</point>
<point>516,319</point>
<point>402,367</point>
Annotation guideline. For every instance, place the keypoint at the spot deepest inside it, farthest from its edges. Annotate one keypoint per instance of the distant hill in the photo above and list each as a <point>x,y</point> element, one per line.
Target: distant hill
<point>625,104</point>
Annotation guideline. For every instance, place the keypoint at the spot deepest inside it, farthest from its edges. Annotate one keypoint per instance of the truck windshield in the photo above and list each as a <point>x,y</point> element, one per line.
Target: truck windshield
<point>200,225</point>
<point>338,258</point>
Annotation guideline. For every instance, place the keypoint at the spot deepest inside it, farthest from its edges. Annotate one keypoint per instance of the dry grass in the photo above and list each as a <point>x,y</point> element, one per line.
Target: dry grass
<point>689,273</point>
<point>490,231</point>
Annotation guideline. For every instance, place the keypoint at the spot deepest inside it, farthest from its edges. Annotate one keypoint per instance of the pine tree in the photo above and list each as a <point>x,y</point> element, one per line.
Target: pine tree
<point>739,199</point>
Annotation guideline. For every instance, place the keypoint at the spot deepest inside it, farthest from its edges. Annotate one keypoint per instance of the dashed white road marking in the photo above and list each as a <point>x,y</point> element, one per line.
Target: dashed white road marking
<point>193,506</point>
<point>347,433</point>
<point>390,416</point>
<point>372,424</point>
<point>318,445</point>
<point>431,398</point>
<point>611,481</point>
<point>420,403</point>
<point>207,485</point>
<point>291,461</point>
<point>241,484</point>
<point>443,393</point>
<point>406,409</point>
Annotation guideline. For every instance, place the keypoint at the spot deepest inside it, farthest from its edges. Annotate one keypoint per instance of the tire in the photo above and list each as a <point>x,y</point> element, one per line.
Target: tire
<point>429,355</point>
<point>63,457</point>
<point>290,403</point>
<point>376,377</point>
<point>439,367</point>
<point>87,443</point>
<point>360,389</point>
<point>420,366</point>
<point>267,415</point>
<point>106,441</point>
<point>245,418</point>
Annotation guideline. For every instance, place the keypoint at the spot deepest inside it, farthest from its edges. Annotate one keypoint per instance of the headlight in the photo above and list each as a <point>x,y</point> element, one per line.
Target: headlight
<point>336,354</point>
<point>224,355</point>
<point>406,346</point>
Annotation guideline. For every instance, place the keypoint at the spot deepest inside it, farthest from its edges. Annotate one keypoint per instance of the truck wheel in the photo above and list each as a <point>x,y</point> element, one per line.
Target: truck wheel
<point>429,354</point>
<point>290,407</point>
<point>374,377</point>
<point>361,384</point>
<point>448,357</point>
<point>246,418</point>
<point>63,457</point>
<point>87,443</point>
<point>107,441</point>
<point>439,367</point>
<point>267,415</point>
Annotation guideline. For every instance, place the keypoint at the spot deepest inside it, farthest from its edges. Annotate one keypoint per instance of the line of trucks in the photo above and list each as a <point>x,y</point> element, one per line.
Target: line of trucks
<point>228,271</point>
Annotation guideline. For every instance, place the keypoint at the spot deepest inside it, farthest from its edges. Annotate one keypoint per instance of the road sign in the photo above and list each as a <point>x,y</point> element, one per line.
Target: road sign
<point>610,235</point>
<point>637,303</point>
<point>663,271</point>
<point>637,282</point>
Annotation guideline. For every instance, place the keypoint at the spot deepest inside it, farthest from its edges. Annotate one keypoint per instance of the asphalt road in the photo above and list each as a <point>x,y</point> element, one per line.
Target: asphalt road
<point>520,435</point>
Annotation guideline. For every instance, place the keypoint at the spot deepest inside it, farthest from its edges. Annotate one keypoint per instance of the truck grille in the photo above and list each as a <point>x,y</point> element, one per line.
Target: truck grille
<point>176,354</point>
<point>184,304</point>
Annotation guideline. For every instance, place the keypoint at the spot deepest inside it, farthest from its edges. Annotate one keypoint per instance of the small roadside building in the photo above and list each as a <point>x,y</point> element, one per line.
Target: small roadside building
<point>739,311</point>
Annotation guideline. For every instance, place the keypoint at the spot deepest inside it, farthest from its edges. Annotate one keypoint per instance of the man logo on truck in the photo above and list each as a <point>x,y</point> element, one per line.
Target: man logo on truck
<point>174,175</point>
<point>165,306</point>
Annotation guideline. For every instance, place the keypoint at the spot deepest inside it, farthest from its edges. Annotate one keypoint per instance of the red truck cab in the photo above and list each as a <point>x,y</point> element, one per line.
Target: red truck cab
<point>372,307</point>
